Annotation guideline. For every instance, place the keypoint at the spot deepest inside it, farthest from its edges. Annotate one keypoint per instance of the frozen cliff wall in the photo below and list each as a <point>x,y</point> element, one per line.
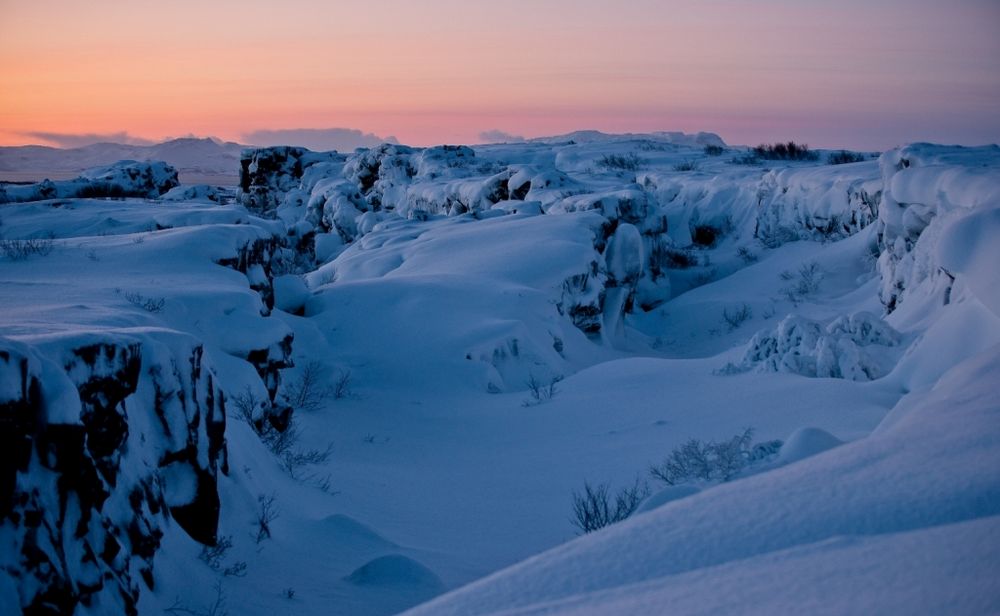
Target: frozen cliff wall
<point>109,440</point>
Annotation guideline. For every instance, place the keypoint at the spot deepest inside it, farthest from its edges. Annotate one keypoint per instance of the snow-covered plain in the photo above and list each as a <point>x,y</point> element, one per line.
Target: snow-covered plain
<point>485,330</point>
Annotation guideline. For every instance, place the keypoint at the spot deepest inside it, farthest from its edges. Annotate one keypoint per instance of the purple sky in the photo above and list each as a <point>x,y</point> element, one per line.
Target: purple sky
<point>862,74</point>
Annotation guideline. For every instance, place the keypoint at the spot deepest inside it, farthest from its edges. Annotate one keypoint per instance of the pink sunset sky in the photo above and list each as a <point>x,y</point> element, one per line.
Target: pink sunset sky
<point>858,74</point>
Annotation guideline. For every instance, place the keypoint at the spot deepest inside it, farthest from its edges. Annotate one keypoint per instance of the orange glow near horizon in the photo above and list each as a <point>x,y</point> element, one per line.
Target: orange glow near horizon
<point>845,74</point>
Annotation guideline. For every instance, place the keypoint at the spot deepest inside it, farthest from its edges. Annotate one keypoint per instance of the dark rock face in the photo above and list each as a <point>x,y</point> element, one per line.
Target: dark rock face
<point>257,260</point>
<point>86,492</point>
<point>267,175</point>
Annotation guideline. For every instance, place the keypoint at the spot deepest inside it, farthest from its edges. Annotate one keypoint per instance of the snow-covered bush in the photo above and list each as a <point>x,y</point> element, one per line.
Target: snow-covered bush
<point>858,347</point>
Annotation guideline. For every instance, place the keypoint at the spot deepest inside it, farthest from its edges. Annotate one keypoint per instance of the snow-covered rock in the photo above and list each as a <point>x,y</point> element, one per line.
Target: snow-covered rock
<point>125,178</point>
<point>926,188</point>
<point>290,293</point>
<point>91,481</point>
<point>268,174</point>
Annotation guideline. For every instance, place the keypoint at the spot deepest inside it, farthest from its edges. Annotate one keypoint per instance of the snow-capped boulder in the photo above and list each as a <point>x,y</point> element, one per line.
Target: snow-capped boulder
<point>806,442</point>
<point>147,178</point>
<point>290,293</point>
<point>380,170</point>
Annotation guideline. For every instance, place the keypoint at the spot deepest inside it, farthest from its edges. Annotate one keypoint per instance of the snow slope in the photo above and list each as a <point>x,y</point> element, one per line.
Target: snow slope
<point>487,329</point>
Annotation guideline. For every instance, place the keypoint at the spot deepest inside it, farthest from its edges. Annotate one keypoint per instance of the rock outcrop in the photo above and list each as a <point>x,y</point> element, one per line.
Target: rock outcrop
<point>108,440</point>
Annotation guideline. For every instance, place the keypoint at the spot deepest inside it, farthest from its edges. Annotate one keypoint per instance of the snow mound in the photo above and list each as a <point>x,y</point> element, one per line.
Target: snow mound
<point>969,251</point>
<point>202,193</point>
<point>395,570</point>
<point>806,442</point>
<point>881,500</point>
<point>667,495</point>
<point>290,293</point>
<point>856,347</point>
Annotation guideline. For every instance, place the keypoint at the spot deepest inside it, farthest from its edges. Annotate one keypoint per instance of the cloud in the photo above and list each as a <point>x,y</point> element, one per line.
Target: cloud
<point>499,136</point>
<point>341,139</point>
<point>78,140</point>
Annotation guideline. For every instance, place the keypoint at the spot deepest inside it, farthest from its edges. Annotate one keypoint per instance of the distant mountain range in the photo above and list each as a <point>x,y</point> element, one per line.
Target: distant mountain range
<point>189,156</point>
<point>214,161</point>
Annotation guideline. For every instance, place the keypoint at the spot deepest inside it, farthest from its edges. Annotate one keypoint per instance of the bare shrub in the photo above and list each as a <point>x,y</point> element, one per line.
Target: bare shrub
<point>698,460</point>
<point>621,162</point>
<point>746,255</point>
<point>540,391</point>
<point>283,443</point>
<point>785,151</point>
<point>844,157</point>
<point>21,250</point>
<point>342,385</point>
<point>308,391</point>
<point>267,512</point>
<point>737,316</point>
<point>213,555</point>
<point>216,608</point>
<point>593,508</point>
<point>294,460</point>
<point>687,165</point>
<point>714,150</point>
<point>805,281</point>
<point>152,305</point>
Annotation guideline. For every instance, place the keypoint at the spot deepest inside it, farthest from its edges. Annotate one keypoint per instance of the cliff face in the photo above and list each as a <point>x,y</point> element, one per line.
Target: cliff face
<point>107,441</point>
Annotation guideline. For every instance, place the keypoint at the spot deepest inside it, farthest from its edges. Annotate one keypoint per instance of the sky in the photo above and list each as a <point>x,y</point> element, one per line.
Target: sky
<point>851,73</point>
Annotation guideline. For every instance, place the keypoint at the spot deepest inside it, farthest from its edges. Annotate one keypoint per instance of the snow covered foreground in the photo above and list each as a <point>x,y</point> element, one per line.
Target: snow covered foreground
<point>650,290</point>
